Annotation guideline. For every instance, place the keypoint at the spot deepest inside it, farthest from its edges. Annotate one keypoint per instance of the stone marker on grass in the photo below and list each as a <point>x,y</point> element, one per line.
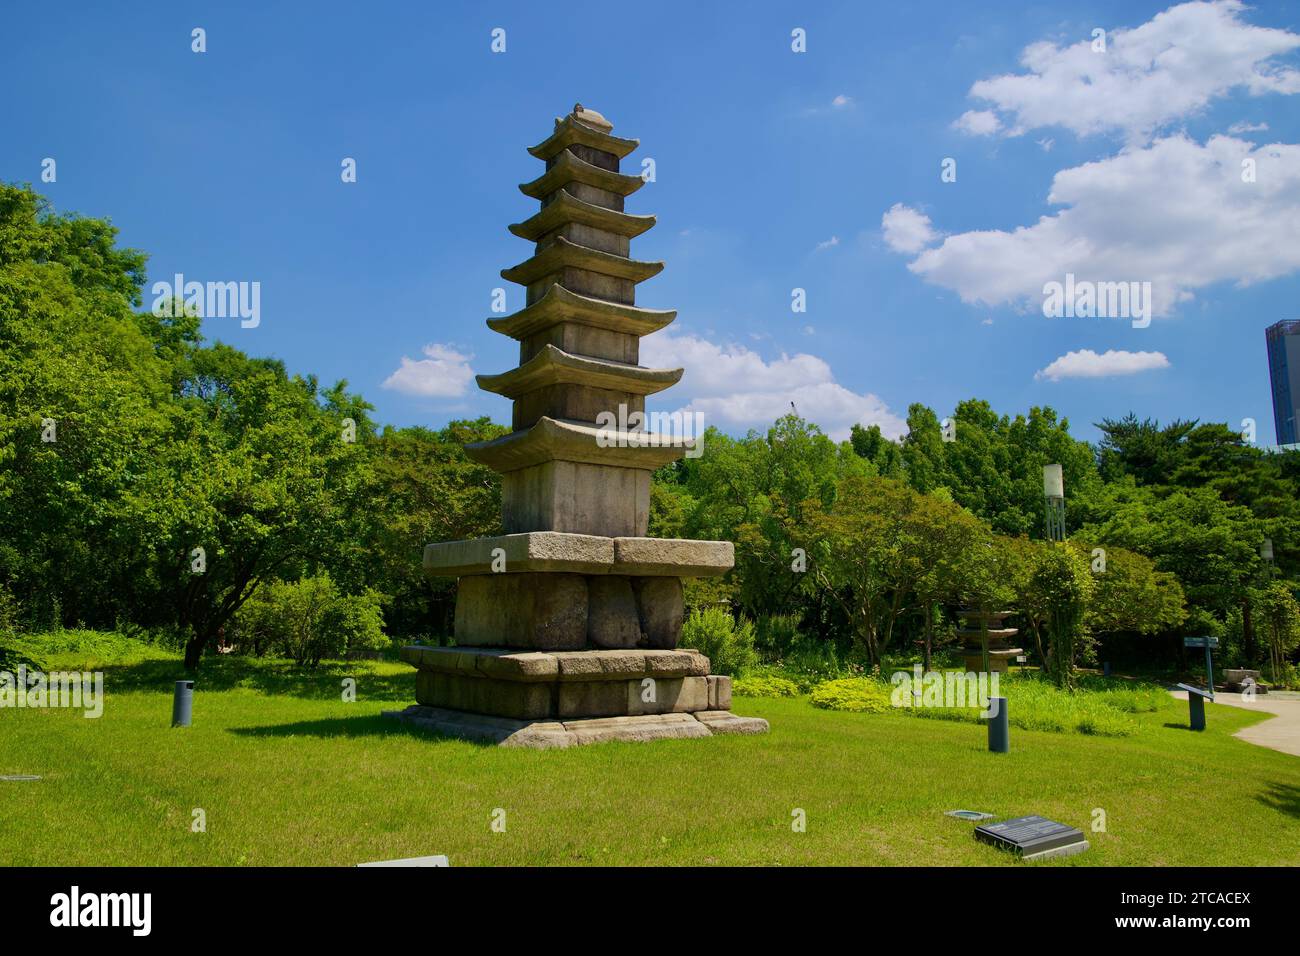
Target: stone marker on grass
<point>567,625</point>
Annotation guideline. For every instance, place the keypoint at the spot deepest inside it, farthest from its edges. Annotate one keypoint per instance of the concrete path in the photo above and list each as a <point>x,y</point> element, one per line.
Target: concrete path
<point>1281,733</point>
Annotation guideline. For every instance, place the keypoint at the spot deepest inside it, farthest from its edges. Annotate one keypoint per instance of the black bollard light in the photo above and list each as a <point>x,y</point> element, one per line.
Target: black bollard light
<point>999,729</point>
<point>182,703</point>
<point>1196,708</point>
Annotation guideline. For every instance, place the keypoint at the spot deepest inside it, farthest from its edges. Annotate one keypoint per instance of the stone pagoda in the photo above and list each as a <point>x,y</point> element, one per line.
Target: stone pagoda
<point>975,625</point>
<point>567,625</point>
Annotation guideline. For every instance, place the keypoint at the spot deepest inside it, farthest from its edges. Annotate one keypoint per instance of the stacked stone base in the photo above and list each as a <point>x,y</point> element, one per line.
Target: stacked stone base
<point>545,734</point>
<point>567,698</point>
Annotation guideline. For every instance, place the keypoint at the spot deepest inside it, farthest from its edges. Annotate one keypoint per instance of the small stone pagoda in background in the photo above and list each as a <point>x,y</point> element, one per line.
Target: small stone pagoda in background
<point>567,625</point>
<point>972,631</point>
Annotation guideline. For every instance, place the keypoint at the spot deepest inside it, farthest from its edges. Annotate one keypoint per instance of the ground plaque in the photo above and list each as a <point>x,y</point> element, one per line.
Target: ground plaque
<point>1033,837</point>
<point>567,624</point>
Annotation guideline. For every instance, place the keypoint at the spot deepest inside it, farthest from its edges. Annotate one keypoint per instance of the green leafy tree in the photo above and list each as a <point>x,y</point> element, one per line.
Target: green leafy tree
<point>1277,616</point>
<point>1062,584</point>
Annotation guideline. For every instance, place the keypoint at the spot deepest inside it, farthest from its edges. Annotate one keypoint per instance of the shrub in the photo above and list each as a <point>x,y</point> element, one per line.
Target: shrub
<point>310,619</point>
<point>764,685</point>
<point>728,644</point>
<point>775,634</point>
<point>859,695</point>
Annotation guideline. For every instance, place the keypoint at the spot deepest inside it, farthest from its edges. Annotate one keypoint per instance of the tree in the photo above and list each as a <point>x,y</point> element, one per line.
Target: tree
<point>1131,595</point>
<point>1062,584</point>
<point>1278,617</point>
<point>257,484</point>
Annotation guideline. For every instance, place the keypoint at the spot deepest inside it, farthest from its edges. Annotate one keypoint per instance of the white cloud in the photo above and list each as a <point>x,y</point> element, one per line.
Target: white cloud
<point>828,244</point>
<point>444,373</point>
<point>1236,129</point>
<point>1167,69</point>
<point>1086,363</point>
<point>841,101</point>
<point>735,388</point>
<point>1046,144</point>
<point>1176,214</point>
<point>906,230</point>
<point>978,122</point>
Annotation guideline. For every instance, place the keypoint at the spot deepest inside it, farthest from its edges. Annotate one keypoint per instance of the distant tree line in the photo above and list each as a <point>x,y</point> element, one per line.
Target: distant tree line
<point>151,479</point>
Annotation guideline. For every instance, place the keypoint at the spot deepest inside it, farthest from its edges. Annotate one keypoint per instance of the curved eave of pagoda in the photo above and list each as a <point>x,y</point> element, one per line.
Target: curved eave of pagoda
<point>570,132</point>
<point>567,208</point>
<point>569,168</point>
<point>560,439</point>
<point>554,366</point>
<point>563,254</point>
<point>561,305</point>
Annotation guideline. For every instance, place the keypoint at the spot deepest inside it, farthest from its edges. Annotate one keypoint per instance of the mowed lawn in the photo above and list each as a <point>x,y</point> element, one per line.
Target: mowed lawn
<point>288,773</point>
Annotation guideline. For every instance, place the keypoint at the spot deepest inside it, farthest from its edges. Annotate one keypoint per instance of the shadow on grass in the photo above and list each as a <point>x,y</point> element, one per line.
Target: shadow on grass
<point>1282,796</point>
<point>372,726</point>
<point>275,677</point>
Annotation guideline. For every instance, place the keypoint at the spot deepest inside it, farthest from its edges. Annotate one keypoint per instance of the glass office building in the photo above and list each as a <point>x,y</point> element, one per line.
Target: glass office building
<point>1284,373</point>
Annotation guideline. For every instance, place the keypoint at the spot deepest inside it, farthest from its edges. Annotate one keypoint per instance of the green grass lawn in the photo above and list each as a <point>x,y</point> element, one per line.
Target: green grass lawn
<point>288,773</point>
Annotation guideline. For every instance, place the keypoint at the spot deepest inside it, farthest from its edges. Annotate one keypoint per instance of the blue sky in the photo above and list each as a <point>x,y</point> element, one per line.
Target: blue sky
<point>775,170</point>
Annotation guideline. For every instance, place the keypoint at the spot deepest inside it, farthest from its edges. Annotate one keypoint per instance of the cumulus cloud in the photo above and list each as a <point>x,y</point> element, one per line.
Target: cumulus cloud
<point>1086,363</point>
<point>1169,68</point>
<point>1177,214</point>
<point>443,373</point>
<point>735,388</point>
<point>906,230</point>
<point>978,122</point>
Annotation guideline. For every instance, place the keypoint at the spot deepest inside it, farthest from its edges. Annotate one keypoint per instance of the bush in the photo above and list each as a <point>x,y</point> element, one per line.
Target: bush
<point>764,685</point>
<point>775,634</point>
<point>728,644</point>
<point>310,619</point>
<point>859,695</point>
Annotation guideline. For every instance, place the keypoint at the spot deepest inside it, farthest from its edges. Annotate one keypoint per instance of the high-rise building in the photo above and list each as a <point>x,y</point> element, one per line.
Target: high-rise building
<point>1284,372</point>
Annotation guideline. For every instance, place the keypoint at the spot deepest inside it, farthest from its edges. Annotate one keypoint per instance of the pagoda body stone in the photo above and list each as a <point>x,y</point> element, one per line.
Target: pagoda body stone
<point>567,625</point>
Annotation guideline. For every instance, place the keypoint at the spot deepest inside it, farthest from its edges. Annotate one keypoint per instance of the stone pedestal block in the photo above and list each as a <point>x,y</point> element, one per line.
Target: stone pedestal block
<point>612,619</point>
<point>661,607</point>
<point>533,610</point>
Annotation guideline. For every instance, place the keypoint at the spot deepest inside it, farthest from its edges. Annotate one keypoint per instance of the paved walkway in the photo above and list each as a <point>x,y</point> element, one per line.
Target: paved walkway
<point>1281,733</point>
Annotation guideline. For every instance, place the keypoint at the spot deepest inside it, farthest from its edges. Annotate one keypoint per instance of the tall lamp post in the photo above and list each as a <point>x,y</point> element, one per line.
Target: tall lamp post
<point>1054,496</point>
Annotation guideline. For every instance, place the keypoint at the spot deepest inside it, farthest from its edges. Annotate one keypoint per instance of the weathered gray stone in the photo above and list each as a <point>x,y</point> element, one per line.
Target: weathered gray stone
<point>545,734</point>
<point>719,692</point>
<point>673,556</point>
<point>680,663</point>
<point>722,722</point>
<point>529,610</point>
<point>592,699</point>
<point>635,729</point>
<point>528,551</point>
<point>502,731</point>
<point>612,619</point>
<point>521,700</point>
<point>577,497</point>
<point>670,695</point>
<point>661,608</point>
